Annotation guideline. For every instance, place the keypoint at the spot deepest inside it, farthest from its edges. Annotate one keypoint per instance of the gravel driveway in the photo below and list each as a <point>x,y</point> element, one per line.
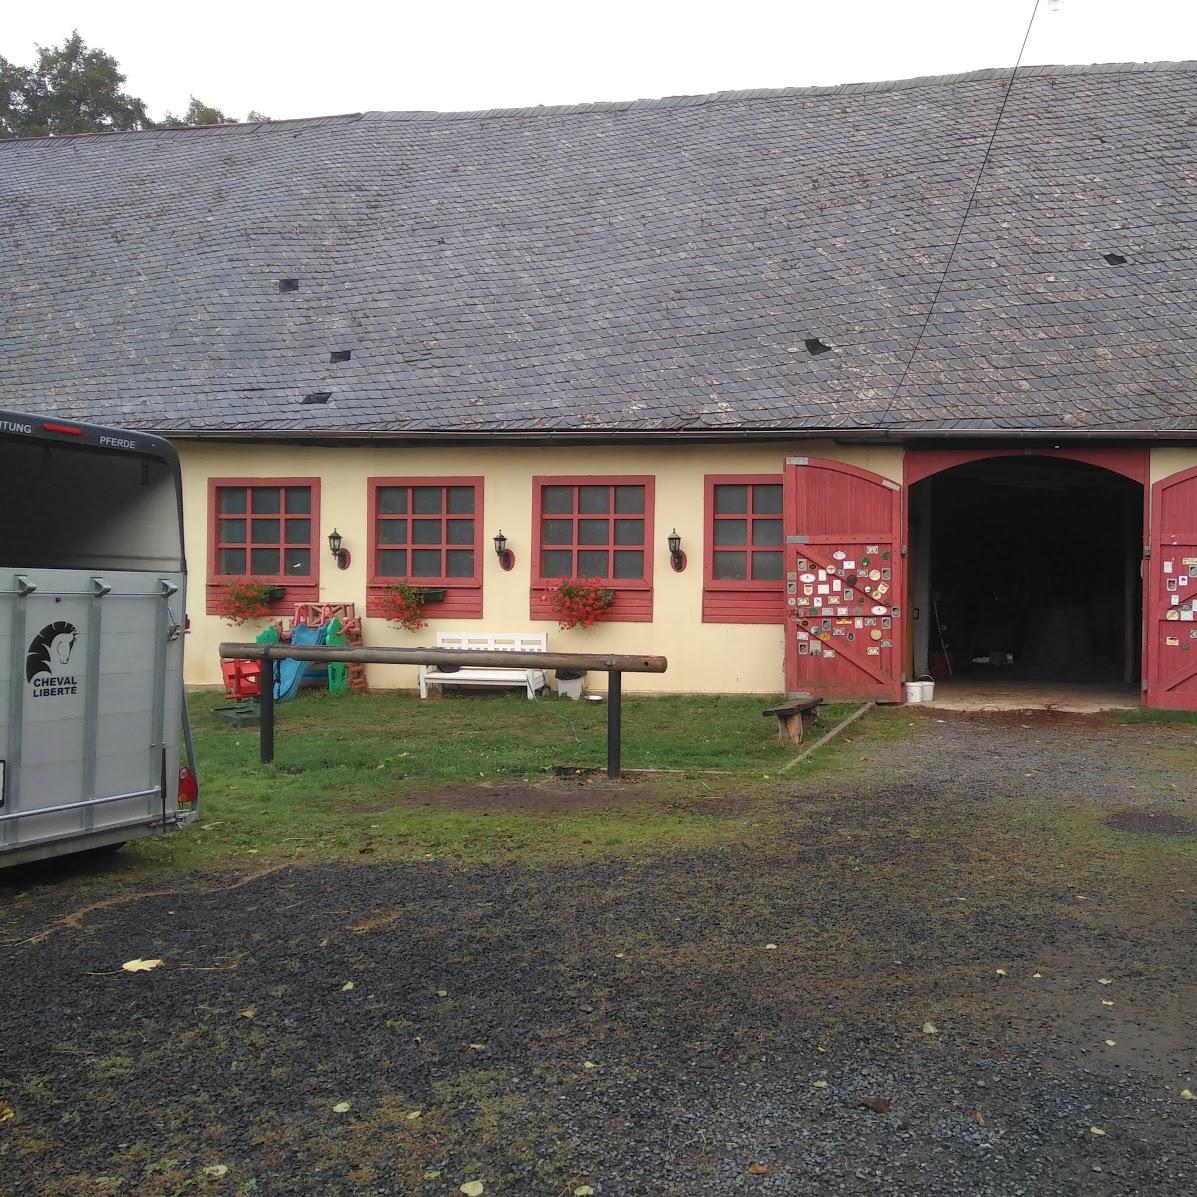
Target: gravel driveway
<point>931,967</point>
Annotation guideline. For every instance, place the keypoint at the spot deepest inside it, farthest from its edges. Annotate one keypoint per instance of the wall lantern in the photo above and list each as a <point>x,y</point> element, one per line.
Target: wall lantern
<point>334,547</point>
<point>676,557</point>
<point>505,555</point>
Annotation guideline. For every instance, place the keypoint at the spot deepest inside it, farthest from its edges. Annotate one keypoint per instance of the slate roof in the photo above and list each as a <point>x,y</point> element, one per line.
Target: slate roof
<point>643,267</point>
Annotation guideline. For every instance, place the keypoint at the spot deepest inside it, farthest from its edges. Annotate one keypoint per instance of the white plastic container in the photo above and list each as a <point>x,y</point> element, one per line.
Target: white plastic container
<point>914,691</point>
<point>927,688</point>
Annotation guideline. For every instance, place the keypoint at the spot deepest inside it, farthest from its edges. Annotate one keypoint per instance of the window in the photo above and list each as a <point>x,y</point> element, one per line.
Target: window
<point>267,530</point>
<point>743,570</point>
<point>428,532</point>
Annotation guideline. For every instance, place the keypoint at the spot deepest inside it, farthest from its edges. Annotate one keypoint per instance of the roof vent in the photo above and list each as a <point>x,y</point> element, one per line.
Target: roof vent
<point>1115,259</point>
<point>318,397</point>
<point>340,355</point>
<point>814,346</point>
<point>288,284</point>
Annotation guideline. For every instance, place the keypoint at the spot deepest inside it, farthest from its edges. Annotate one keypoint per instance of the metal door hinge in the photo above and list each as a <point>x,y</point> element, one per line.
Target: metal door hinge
<point>797,461</point>
<point>797,540</point>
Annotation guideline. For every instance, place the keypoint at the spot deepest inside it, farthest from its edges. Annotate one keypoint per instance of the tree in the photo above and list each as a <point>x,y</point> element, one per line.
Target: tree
<point>74,89</point>
<point>70,89</point>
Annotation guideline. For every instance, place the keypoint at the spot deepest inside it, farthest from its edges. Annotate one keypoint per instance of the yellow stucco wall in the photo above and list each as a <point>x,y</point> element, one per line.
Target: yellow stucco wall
<point>722,658</point>
<point>1171,461</point>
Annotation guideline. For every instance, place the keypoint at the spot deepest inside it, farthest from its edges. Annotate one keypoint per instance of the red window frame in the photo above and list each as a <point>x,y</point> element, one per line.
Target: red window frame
<point>299,588</point>
<point>727,600</point>
<point>463,595</point>
<point>633,596</point>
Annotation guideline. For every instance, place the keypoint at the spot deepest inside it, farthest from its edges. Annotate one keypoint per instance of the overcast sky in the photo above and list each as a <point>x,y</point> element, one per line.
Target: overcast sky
<point>307,59</point>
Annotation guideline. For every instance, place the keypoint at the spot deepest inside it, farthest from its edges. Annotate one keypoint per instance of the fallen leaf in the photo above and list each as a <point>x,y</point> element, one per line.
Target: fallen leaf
<point>758,1169</point>
<point>6,1111</point>
<point>478,1047</point>
<point>432,1174</point>
<point>1104,981</point>
<point>929,1028</point>
<point>583,1191</point>
<point>342,1107</point>
<point>1001,972</point>
<point>346,986</point>
<point>472,1188</point>
<point>248,1012</point>
<point>879,1105</point>
<point>589,1065</point>
<point>1105,1003</point>
<point>1096,1130</point>
<point>442,993</point>
<point>820,1084</point>
<point>770,947</point>
<point>413,1115</point>
<point>1037,976</point>
<point>141,966</point>
<point>978,1117</point>
<point>620,955</point>
<point>216,1171</point>
<point>1186,1095</point>
<point>1110,1043</point>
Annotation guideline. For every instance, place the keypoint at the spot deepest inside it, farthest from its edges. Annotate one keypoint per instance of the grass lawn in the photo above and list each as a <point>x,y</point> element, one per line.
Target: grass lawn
<point>473,776</point>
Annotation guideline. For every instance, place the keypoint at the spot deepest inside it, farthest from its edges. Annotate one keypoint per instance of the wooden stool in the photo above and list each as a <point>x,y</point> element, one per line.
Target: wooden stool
<point>794,716</point>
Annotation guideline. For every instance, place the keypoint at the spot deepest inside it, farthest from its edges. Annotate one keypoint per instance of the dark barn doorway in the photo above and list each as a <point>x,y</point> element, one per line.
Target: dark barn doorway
<point>1028,569</point>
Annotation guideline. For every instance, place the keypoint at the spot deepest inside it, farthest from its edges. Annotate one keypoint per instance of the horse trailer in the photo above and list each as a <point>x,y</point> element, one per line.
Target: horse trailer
<point>95,749</point>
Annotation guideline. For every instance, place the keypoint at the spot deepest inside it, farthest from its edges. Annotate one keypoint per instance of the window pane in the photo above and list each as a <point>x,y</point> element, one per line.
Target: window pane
<point>558,500</point>
<point>392,500</point>
<point>556,563</point>
<point>766,499</point>
<point>593,531</point>
<point>232,531</point>
<point>731,500</point>
<point>594,500</point>
<point>425,563</point>
<point>557,532</point>
<point>263,562</point>
<point>461,500</point>
<point>766,567</point>
<point>232,561</point>
<point>299,532</point>
<point>629,531</point>
<point>426,531</point>
<point>230,500</point>
<point>592,564</point>
<point>731,531</point>
<point>426,500</point>
<point>392,531</point>
<point>459,563</point>
<point>297,561</point>
<point>731,566</point>
<point>392,563</point>
<point>460,532</point>
<point>766,531</point>
<point>629,500</point>
<point>266,531</point>
<point>264,500</point>
<point>629,563</point>
<point>299,500</point>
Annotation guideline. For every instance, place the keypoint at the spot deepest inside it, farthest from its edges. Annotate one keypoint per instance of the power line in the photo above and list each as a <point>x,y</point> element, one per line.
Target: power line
<point>964,219</point>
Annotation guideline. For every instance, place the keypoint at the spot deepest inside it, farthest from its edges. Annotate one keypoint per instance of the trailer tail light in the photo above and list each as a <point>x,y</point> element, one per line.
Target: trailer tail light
<point>188,786</point>
<point>65,429</point>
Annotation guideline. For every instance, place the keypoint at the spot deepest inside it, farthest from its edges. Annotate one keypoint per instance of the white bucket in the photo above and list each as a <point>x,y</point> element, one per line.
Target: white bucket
<point>927,690</point>
<point>914,691</point>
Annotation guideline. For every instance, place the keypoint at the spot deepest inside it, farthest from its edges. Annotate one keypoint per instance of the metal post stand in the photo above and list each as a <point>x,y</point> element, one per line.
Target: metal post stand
<point>614,697</point>
<point>266,713</point>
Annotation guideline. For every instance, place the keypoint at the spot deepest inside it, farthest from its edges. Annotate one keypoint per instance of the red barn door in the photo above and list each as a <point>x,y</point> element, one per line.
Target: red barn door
<point>845,581</point>
<point>1171,589</point>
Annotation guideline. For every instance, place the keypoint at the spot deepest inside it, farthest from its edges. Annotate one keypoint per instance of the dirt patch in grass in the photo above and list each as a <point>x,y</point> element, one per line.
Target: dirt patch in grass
<point>1144,822</point>
<point>556,796</point>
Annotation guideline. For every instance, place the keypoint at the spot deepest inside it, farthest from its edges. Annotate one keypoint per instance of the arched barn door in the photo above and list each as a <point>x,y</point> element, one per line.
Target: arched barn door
<point>845,581</point>
<point>1172,594</point>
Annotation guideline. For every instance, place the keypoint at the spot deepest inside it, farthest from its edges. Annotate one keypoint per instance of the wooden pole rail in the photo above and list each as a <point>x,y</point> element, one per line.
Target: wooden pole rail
<point>615,665</point>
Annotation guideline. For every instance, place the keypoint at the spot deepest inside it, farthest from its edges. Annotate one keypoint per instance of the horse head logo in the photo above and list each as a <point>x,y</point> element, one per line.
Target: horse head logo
<point>52,646</point>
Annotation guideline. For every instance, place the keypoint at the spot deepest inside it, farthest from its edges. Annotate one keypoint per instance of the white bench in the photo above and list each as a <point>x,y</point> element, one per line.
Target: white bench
<point>470,675</point>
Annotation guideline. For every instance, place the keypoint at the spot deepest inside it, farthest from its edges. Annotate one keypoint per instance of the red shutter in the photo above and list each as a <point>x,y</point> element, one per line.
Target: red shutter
<point>845,582</point>
<point>1171,589</point>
